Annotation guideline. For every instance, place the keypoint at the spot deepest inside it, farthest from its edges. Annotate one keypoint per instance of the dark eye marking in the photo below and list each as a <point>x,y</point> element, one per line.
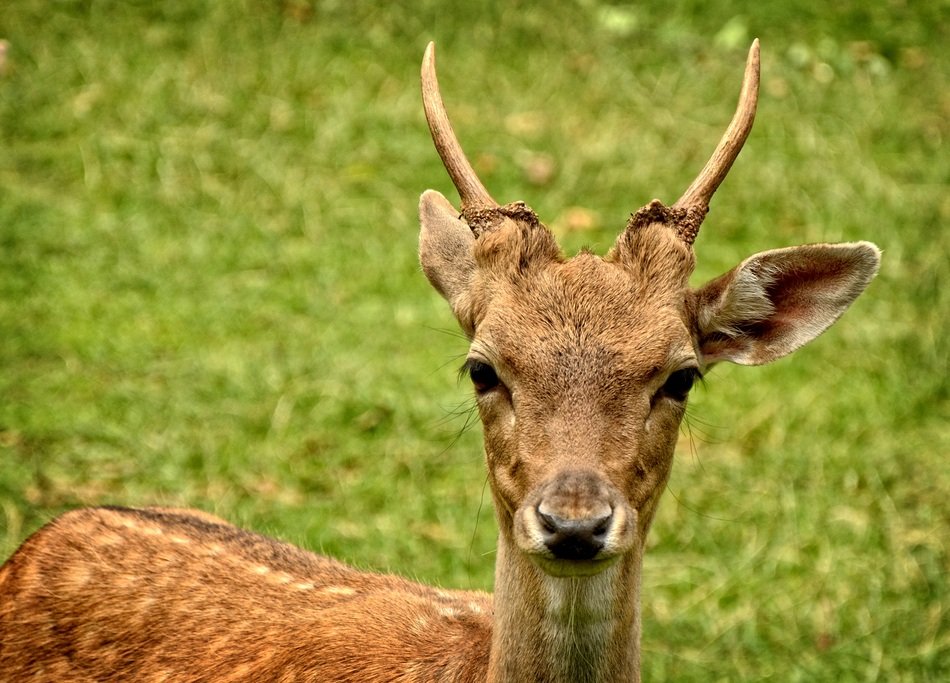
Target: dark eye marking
<point>679,383</point>
<point>483,375</point>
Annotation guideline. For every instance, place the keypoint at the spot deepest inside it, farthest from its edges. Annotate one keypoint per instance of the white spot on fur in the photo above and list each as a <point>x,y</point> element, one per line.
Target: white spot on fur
<point>339,590</point>
<point>180,540</point>
<point>79,575</point>
<point>261,569</point>
<point>420,624</point>
<point>240,672</point>
<point>110,538</point>
<point>304,586</point>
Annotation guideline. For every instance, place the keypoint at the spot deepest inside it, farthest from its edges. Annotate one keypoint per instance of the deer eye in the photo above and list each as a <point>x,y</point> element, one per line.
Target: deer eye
<point>679,383</point>
<point>482,374</point>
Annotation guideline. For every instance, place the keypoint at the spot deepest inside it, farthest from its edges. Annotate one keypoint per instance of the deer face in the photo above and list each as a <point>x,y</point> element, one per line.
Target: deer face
<point>582,366</point>
<point>581,369</point>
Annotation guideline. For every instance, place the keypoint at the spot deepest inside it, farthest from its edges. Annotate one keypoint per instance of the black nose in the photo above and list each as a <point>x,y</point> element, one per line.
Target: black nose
<point>574,539</point>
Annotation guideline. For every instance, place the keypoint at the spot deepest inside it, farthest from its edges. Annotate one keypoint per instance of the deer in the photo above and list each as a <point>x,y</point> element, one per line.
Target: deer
<point>581,368</point>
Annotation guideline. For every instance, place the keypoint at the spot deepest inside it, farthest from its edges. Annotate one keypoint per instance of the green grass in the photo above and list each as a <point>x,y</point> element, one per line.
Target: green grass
<point>209,293</point>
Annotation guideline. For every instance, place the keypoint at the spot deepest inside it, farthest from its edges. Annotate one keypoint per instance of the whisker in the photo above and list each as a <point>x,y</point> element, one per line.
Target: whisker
<point>454,333</point>
<point>471,543</point>
<point>704,515</point>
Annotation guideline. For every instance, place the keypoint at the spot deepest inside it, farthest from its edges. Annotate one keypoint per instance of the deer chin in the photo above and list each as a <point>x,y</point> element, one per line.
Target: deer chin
<point>563,569</point>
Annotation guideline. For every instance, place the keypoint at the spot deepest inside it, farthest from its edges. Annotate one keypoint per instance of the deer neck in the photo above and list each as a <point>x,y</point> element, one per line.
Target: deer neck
<point>582,629</point>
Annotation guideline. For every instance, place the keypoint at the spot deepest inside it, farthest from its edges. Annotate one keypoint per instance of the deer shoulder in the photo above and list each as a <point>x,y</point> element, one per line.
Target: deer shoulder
<point>120,594</point>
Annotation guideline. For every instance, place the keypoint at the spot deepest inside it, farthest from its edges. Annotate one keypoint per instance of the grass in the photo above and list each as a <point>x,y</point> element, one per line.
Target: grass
<point>209,293</point>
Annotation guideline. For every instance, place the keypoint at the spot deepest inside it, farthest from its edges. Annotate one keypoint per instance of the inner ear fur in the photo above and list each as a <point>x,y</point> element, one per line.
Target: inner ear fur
<point>446,251</point>
<point>776,301</point>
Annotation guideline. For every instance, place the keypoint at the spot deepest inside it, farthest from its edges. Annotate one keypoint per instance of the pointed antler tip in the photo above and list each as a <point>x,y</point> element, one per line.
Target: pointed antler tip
<point>714,172</point>
<point>752,61</point>
<point>470,188</point>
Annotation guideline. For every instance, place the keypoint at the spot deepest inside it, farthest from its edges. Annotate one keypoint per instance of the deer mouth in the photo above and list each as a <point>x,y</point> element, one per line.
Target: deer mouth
<point>573,568</point>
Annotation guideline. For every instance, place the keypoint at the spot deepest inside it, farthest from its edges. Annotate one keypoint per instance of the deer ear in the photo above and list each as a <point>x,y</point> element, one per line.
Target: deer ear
<point>445,248</point>
<point>776,301</point>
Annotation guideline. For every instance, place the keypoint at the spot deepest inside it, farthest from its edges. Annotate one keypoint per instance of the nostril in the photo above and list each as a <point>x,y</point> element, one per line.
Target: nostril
<point>602,525</point>
<point>549,522</point>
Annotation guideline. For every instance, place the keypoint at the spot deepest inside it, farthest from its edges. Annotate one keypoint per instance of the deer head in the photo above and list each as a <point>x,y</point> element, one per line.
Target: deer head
<point>582,366</point>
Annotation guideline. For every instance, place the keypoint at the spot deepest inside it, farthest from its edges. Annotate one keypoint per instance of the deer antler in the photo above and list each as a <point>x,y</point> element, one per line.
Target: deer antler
<point>471,191</point>
<point>714,172</point>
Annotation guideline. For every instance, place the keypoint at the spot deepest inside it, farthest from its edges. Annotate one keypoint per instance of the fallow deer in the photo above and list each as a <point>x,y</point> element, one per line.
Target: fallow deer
<point>581,368</point>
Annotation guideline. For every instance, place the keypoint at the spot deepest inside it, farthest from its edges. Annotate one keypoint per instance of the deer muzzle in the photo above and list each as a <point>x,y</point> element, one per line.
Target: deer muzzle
<point>575,524</point>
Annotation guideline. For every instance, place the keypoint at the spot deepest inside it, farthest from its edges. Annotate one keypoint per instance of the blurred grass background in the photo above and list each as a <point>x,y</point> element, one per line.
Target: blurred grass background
<point>209,293</point>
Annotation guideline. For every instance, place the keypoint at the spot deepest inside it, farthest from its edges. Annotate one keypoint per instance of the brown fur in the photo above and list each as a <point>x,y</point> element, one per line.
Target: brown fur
<point>589,355</point>
<point>113,594</point>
